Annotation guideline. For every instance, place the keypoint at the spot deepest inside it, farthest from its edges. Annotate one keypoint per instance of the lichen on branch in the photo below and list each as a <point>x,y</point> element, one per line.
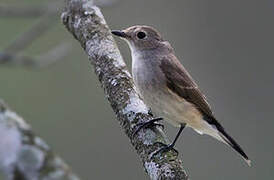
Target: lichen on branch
<point>87,24</point>
<point>23,155</point>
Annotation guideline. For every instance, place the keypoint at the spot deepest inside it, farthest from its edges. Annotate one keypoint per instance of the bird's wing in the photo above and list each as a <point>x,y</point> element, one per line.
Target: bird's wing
<point>180,82</point>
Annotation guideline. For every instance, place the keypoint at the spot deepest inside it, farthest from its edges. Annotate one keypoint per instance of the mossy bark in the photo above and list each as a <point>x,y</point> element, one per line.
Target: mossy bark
<point>87,25</point>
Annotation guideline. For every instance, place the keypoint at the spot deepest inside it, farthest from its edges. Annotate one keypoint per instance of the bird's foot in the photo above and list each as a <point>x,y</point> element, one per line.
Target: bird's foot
<point>166,148</point>
<point>148,124</point>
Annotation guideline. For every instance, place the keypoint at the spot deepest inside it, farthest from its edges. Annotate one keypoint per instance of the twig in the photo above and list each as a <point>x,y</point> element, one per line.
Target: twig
<point>44,60</point>
<point>25,39</point>
<point>19,11</point>
<point>88,26</point>
<point>28,11</point>
<point>54,55</point>
<point>15,60</point>
<point>23,155</point>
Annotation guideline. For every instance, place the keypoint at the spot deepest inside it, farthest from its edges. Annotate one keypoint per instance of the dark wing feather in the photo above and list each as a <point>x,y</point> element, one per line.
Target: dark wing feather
<point>181,83</point>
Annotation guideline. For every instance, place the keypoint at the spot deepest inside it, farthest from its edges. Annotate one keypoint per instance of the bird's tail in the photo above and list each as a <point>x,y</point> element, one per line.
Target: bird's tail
<point>226,138</point>
<point>214,128</point>
<point>218,132</point>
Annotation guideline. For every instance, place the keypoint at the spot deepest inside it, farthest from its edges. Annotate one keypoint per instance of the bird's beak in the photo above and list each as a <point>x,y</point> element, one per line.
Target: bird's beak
<point>119,33</point>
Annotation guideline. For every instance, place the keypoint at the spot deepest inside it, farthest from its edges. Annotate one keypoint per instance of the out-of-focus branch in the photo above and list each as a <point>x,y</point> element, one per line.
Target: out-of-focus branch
<point>15,60</point>
<point>44,60</point>
<point>88,26</point>
<point>54,55</point>
<point>23,155</point>
<point>48,17</point>
<point>47,14</point>
<point>25,39</point>
<point>33,11</point>
<point>28,11</point>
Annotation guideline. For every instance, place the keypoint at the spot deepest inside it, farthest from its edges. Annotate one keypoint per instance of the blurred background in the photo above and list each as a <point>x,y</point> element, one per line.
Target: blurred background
<point>228,48</point>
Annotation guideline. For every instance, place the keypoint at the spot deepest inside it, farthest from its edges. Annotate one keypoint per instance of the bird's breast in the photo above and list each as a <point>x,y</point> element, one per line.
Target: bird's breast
<point>151,85</point>
<point>146,74</point>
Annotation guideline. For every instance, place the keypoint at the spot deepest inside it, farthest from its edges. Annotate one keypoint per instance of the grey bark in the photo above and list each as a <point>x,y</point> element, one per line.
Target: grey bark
<point>25,156</point>
<point>87,25</point>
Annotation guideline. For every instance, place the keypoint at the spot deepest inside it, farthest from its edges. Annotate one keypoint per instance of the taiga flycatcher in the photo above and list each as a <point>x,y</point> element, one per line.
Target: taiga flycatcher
<point>168,89</point>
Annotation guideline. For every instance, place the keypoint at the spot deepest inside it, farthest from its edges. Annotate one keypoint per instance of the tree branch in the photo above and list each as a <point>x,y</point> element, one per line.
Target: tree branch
<point>26,38</point>
<point>88,26</point>
<point>33,11</point>
<point>29,11</point>
<point>44,60</point>
<point>19,11</point>
<point>23,155</point>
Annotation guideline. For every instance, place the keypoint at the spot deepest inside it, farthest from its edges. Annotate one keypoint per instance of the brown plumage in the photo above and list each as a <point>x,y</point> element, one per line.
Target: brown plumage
<point>166,86</point>
<point>181,83</point>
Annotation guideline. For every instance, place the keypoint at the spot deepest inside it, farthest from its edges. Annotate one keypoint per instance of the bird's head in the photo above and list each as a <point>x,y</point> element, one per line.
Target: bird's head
<point>140,37</point>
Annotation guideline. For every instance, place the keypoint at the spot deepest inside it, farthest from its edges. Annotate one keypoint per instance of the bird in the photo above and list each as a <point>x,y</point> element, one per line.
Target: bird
<point>168,89</point>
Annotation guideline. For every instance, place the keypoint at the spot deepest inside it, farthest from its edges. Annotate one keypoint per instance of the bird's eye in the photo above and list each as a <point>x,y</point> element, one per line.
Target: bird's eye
<point>141,35</point>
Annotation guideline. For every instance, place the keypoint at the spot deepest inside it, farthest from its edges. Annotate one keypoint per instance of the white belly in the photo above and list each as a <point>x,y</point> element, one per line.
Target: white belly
<point>171,107</point>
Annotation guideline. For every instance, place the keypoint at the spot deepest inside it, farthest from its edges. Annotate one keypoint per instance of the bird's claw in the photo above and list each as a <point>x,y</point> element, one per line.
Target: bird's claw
<point>164,149</point>
<point>148,124</point>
